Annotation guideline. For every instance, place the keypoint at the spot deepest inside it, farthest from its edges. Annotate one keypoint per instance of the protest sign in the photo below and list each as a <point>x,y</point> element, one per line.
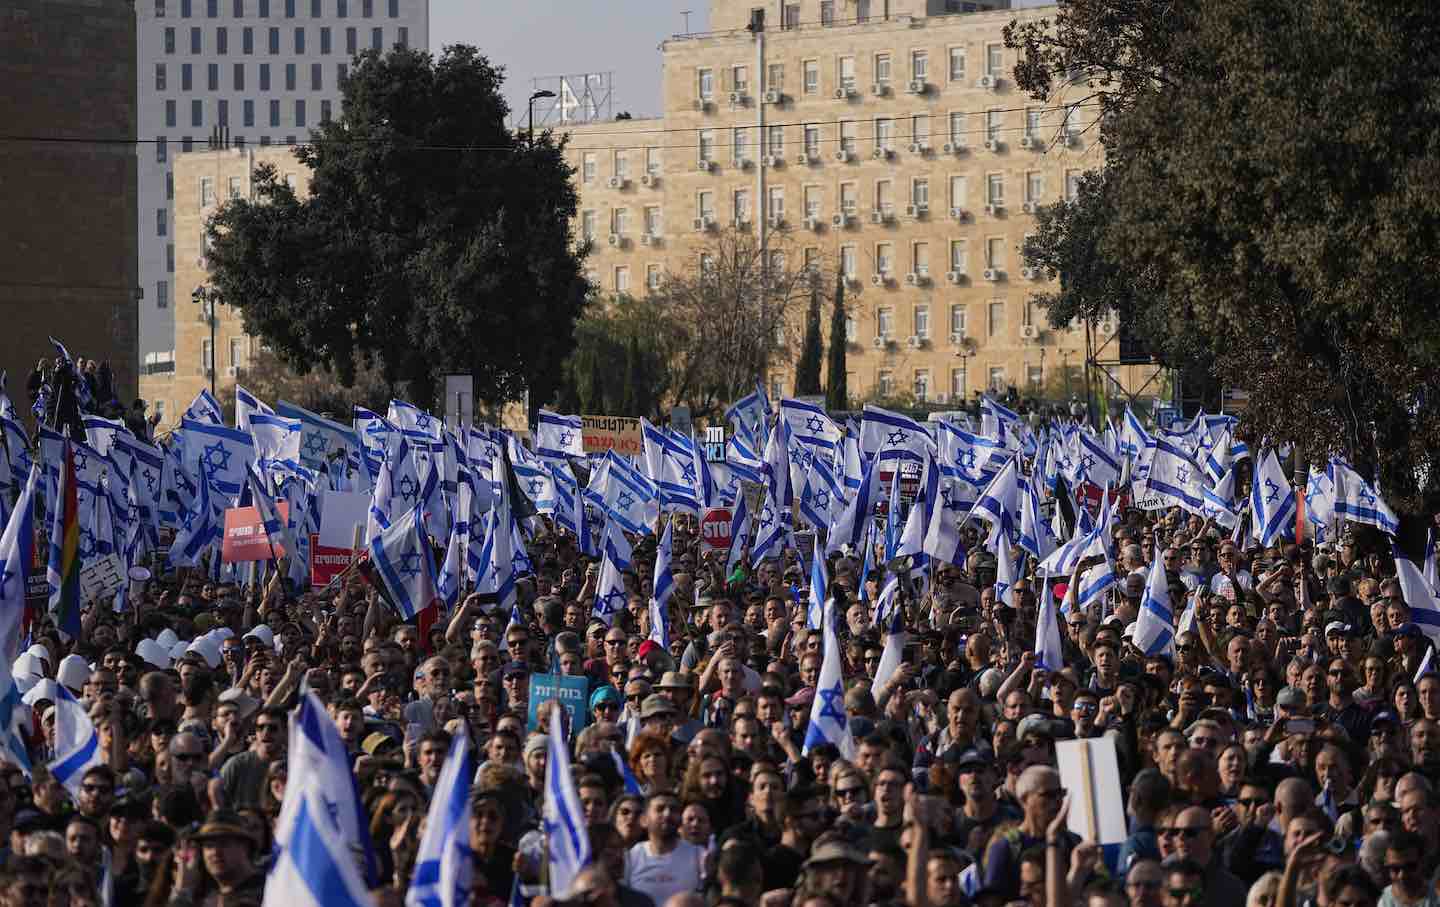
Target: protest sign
<point>101,578</point>
<point>1090,771</point>
<point>327,562</point>
<point>340,513</point>
<point>572,692</point>
<point>715,528</point>
<point>618,433</point>
<point>245,539</point>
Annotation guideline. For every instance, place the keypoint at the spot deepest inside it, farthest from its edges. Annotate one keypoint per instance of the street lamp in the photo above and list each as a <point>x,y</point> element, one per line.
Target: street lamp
<point>208,299</point>
<point>530,123</point>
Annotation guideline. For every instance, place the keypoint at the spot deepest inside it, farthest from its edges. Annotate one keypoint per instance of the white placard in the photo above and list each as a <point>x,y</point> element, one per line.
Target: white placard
<point>339,512</point>
<point>102,578</point>
<point>1090,772</point>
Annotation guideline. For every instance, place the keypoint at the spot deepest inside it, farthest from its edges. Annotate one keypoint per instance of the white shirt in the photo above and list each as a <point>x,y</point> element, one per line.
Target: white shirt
<point>676,872</point>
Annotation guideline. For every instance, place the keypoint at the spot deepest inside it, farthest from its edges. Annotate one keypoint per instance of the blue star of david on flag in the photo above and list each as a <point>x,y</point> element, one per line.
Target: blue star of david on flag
<point>822,500</point>
<point>216,458</point>
<point>767,517</point>
<point>315,445</point>
<point>814,424</point>
<point>612,601</point>
<point>151,480</point>
<point>625,500</point>
<point>410,564</point>
<point>535,486</point>
<point>565,438</point>
<point>833,704</point>
<point>408,487</point>
<point>1274,490</point>
<point>896,438</point>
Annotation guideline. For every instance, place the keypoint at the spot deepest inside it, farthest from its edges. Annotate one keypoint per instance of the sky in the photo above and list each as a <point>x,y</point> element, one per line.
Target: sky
<point>537,38</point>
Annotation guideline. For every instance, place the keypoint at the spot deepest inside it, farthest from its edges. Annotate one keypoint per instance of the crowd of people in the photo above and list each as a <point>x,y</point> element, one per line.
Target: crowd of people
<point>1282,750</point>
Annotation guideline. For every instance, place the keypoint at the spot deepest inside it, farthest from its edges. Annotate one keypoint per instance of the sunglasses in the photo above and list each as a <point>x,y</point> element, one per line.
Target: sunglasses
<point>845,793</point>
<point>1187,833</point>
<point>1252,802</point>
<point>1183,893</point>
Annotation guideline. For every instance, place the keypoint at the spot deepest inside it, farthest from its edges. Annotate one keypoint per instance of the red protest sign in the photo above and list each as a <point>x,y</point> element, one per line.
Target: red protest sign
<point>715,528</point>
<point>326,562</point>
<point>245,538</point>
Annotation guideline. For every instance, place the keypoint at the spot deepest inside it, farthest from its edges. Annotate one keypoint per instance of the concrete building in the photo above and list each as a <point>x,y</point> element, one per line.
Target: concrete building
<point>886,137</point>
<point>203,181</point>
<point>67,186</point>
<point>265,70</point>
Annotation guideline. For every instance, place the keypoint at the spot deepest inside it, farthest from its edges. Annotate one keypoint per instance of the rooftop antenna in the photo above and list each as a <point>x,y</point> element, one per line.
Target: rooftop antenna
<point>686,14</point>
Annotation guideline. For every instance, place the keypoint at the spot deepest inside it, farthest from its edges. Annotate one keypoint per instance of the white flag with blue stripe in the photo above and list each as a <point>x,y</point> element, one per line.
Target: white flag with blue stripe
<point>819,591</point>
<point>224,455</point>
<point>1272,500</point>
<point>276,437</point>
<point>247,405</point>
<point>829,722</point>
<point>1419,595</point>
<point>739,534</point>
<point>885,435</point>
<point>318,760</point>
<point>567,841</point>
<point>1047,630</point>
<point>610,595</point>
<point>1175,477</point>
<point>17,552</point>
<point>204,408</point>
<point>443,864</point>
<point>559,436</point>
<point>403,559</point>
<point>313,867</point>
<point>77,745</point>
<point>1155,626</point>
<point>664,587</point>
<point>1357,500</point>
<point>892,615</point>
<point>849,526</point>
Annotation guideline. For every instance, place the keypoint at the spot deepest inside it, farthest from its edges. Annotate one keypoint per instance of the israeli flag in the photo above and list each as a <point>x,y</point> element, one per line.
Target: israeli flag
<point>224,455</point>
<point>942,536</point>
<point>247,405</point>
<point>621,492</point>
<point>1419,595</point>
<point>447,583</point>
<point>1096,464</point>
<point>912,537</point>
<point>1431,570</point>
<point>444,862</point>
<point>885,435</point>
<point>13,721</point>
<point>1272,500</point>
<point>204,409</point>
<point>397,490</point>
<point>1155,627</point>
<point>275,437</point>
<point>1357,500</point>
<point>1219,501</point>
<point>1036,536</point>
<point>1047,630</point>
<point>100,432</point>
<point>1175,477</point>
<point>1007,572</point>
<point>810,426</point>
<point>895,635</point>
<point>849,527</point>
<point>777,467</point>
<point>567,841</point>
<point>321,439</point>
<point>559,436</point>
<point>822,498</point>
<point>995,417</point>
<point>828,721</point>
<point>312,866</point>
<point>77,746</point>
<point>319,762</point>
<point>739,534</point>
<point>402,558</point>
<point>610,595</point>
<point>1000,503</point>
<point>199,528</point>
<point>17,553</point>
<point>17,449</point>
<point>664,587</point>
<point>819,591</point>
<point>772,530</point>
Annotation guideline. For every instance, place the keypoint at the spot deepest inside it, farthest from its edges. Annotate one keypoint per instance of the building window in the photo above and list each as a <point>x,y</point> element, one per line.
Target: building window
<point>1072,185</point>
<point>159,9</point>
<point>957,64</point>
<point>403,36</point>
<point>707,145</point>
<point>264,141</point>
<point>652,220</point>
<point>994,121</point>
<point>239,77</point>
<point>342,8</point>
<point>994,61</point>
<point>1035,376</point>
<point>862,10</point>
<point>300,40</point>
<point>170,114</point>
<point>995,189</point>
<point>884,259</point>
<point>846,73</point>
<point>234,187</point>
<point>852,329</point>
<point>919,65</point>
<point>394,9</point>
<point>995,252</point>
<point>812,201</point>
<point>587,167</point>
<point>922,321</point>
<point>1034,187</point>
<point>922,385</point>
<point>264,9</point>
<point>299,112</point>
<point>248,112</point>
<point>996,317</point>
<point>160,77</point>
<point>620,163</point>
<point>849,136</point>
<point>848,261</point>
<point>884,197</point>
<point>827,12</point>
<point>341,70</point>
<point>377,39</point>
<point>957,384</point>
<point>620,221</point>
<point>325,111</point>
<point>324,40</point>
<point>652,161</point>
<point>740,144</point>
<point>1032,122</point>
<point>622,279</point>
<point>237,352</point>
<point>212,8</point>
<point>212,76</point>
<point>207,356</point>
<point>317,79</point>
<point>222,40</point>
<point>884,383</point>
<point>959,257</point>
<point>706,84</point>
<point>275,112</point>
<point>170,257</point>
<point>587,225</point>
<point>264,76</point>
<point>740,200</point>
<point>315,9</point>
<point>885,134</point>
<point>222,112</point>
<point>170,40</point>
<point>652,277</point>
<point>207,191</point>
<point>776,203</point>
<point>957,129</point>
<point>848,198</point>
<point>197,113</point>
<point>775,77</point>
<point>185,144</point>
<point>957,320</point>
<point>705,205</point>
<point>185,6</point>
<point>162,294</point>
<point>882,69</point>
<point>247,40</point>
<point>367,8</point>
<point>169,185</point>
<point>196,41</point>
<point>289,76</point>
<point>885,322</point>
<point>920,193</point>
<point>740,78</point>
<point>920,129</point>
<point>274,39</point>
<point>350,41</point>
<point>162,216</point>
<point>1072,121</point>
<point>289,9</point>
<point>810,73</point>
<point>791,16</point>
<point>812,139</point>
<point>997,379</point>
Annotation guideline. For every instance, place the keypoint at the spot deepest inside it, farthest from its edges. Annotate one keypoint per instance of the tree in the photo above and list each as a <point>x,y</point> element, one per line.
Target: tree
<point>837,392</point>
<point>433,239</point>
<point>730,311</point>
<point>611,331</point>
<point>807,370</point>
<point>1266,207</point>
<point>638,392</point>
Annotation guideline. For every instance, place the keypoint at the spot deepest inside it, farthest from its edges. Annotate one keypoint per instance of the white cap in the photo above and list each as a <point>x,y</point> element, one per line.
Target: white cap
<point>153,653</point>
<point>221,634</point>
<point>177,650</point>
<point>207,649</point>
<point>45,690</point>
<point>28,667</point>
<point>262,633</point>
<point>167,638</point>
<point>40,652</point>
<point>74,672</point>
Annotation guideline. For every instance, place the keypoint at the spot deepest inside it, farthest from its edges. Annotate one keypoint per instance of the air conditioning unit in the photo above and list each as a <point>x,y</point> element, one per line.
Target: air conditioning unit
<point>812,223</point>
<point>842,155</point>
<point>882,154</point>
<point>841,94</point>
<point>915,86</point>
<point>852,281</point>
<point>954,148</point>
<point>1029,207</point>
<point>988,83</point>
<point>231,371</point>
<point>993,274</point>
<point>700,224</point>
<point>616,239</point>
<point>701,105</point>
<point>994,210</point>
<point>992,145</point>
<point>840,220</point>
<point>1029,273</point>
<point>704,166</point>
<point>914,342</point>
<point>881,342</point>
<point>1029,141</point>
<point>209,371</point>
<point>647,180</point>
<point>777,160</point>
<point>741,223</point>
<point>1029,332</point>
<point>959,214</point>
<point>772,97</point>
<point>647,239</point>
<point>877,280</point>
<point>777,222</point>
<point>738,99</point>
<point>879,89</point>
<point>740,163</point>
<point>919,148</point>
<point>953,276</point>
<point>913,279</point>
<point>802,159</point>
<point>877,217</point>
<point>957,339</point>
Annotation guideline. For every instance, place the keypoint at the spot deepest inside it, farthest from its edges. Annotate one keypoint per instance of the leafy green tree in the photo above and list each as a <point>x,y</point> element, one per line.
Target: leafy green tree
<point>1266,209</point>
<point>807,369</point>
<point>837,393</point>
<point>433,239</point>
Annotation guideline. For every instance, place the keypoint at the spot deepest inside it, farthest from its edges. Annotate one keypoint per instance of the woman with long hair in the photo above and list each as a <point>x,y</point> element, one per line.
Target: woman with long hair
<point>392,811</point>
<point>708,781</point>
<point>650,761</point>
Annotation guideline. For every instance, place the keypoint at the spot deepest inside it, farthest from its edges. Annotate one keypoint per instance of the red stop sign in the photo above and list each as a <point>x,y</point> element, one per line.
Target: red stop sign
<point>715,527</point>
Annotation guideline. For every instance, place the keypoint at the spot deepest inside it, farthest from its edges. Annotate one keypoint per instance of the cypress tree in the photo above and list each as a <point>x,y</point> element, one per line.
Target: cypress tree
<point>837,395</point>
<point>807,370</point>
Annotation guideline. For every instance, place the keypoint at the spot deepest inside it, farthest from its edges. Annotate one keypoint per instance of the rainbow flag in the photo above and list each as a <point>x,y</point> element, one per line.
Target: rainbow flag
<point>63,571</point>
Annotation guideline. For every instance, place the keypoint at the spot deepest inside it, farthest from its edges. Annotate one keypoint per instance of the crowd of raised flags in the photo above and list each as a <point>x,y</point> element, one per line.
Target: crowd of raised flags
<point>457,511</point>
